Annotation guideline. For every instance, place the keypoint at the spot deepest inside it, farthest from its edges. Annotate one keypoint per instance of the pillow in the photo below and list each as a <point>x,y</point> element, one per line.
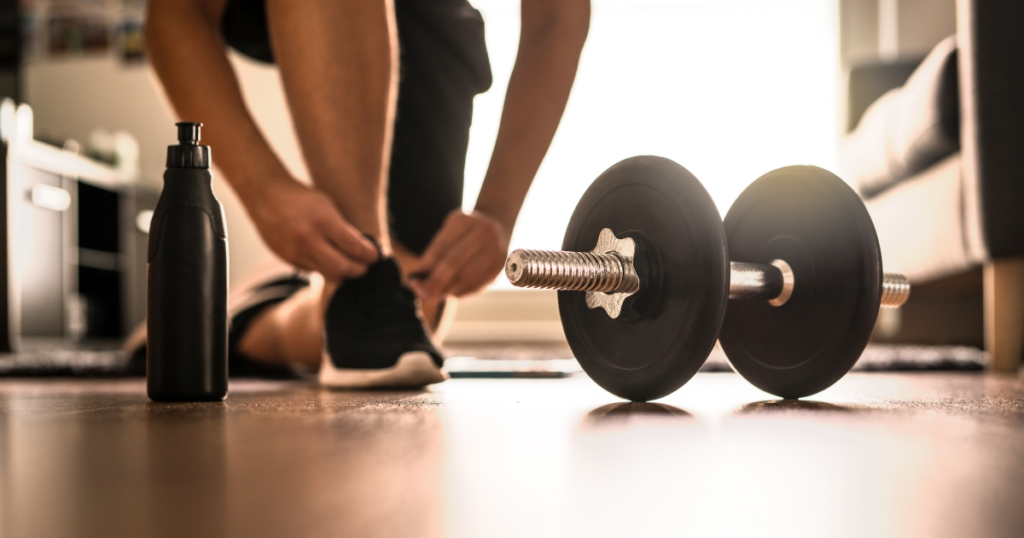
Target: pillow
<point>909,128</point>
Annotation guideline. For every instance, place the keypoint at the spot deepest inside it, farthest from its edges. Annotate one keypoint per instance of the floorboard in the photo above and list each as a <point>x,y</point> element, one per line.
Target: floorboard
<point>921,454</point>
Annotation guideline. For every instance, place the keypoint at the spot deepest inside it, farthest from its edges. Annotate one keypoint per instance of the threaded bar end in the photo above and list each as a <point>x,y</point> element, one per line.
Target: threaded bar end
<point>576,271</point>
<point>895,290</point>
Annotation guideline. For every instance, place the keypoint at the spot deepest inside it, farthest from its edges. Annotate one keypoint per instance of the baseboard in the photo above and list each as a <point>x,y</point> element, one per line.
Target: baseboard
<point>477,332</point>
<point>502,315</point>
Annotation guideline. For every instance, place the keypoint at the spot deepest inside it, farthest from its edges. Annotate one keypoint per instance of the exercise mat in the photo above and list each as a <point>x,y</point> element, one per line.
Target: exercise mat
<point>65,362</point>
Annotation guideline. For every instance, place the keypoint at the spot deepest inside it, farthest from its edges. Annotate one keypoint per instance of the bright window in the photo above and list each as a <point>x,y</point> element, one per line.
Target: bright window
<point>730,89</point>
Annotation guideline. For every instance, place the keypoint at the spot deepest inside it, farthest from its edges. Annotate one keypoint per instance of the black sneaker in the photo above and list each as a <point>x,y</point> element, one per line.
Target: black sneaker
<point>375,337</point>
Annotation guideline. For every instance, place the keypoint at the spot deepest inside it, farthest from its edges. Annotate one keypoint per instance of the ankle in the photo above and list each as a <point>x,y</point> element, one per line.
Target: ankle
<point>323,289</point>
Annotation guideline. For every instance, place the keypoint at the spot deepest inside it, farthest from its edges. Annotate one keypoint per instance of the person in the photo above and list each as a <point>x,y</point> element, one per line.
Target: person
<point>381,97</point>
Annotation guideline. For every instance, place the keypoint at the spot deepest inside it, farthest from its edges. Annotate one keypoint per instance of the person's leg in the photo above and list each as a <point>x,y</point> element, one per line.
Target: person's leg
<point>275,320</point>
<point>444,65</point>
<point>338,64</point>
<point>289,332</point>
<point>339,68</point>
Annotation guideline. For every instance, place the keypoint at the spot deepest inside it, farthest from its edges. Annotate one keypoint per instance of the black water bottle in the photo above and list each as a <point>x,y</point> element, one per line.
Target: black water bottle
<point>188,280</point>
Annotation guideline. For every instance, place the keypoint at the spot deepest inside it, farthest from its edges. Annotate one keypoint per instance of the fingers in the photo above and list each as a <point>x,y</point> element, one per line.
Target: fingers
<point>304,227</point>
<point>478,273</point>
<point>448,269</point>
<point>464,256</point>
<point>451,233</point>
<point>337,249</point>
<point>322,256</point>
<point>473,274</point>
<point>350,241</point>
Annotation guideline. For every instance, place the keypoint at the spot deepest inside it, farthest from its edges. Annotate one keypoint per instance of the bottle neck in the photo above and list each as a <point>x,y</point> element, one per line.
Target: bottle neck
<point>188,156</point>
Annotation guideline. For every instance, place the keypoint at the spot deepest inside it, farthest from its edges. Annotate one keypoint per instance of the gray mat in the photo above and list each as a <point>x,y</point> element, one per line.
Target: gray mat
<point>892,358</point>
<point>887,358</point>
<point>63,362</point>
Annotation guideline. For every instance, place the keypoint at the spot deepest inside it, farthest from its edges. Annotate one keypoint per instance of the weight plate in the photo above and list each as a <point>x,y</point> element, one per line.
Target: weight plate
<point>668,328</point>
<point>813,221</point>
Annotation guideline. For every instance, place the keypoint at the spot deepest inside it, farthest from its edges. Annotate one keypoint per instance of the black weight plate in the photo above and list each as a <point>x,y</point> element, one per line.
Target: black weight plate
<point>667,330</point>
<point>811,219</point>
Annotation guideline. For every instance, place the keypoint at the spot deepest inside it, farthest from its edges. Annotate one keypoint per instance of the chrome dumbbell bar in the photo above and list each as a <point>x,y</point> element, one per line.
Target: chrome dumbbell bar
<point>609,270</point>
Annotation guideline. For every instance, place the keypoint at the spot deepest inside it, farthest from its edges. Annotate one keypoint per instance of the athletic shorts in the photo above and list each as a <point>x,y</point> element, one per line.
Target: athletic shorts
<point>443,65</point>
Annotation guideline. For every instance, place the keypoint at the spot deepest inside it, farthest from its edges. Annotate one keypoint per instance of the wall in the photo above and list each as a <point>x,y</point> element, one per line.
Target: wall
<point>921,24</point>
<point>889,29</point>
<point>72,97</point>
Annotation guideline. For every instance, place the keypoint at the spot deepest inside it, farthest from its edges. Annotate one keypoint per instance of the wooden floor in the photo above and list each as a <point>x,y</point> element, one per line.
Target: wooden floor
<point>877,455</point>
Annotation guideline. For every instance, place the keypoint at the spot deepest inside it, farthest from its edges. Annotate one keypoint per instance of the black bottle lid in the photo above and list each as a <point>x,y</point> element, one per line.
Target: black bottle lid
<point>188,153</point>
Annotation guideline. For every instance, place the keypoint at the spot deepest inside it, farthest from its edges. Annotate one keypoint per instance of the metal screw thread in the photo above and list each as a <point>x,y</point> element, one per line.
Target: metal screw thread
<point>577,271</point>
<point>895,290</point>
<point>609,273</point>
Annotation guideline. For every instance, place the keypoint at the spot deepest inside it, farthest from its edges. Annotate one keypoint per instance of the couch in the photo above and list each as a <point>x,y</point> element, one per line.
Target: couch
<point>936,148</point>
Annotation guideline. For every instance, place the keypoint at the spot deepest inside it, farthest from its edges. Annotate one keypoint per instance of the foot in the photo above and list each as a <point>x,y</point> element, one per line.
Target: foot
<point>374,335</point>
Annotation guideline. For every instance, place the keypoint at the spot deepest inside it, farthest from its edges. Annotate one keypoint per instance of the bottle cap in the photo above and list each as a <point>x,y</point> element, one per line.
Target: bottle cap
<point>188,153</point>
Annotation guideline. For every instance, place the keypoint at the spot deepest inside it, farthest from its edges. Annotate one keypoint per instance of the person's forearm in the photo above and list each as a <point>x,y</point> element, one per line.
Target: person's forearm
<point>541,80</point>
<point>188,57</point>
<point>339,68</point>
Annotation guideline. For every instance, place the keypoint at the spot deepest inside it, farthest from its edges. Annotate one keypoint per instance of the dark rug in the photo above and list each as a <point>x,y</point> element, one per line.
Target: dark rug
<point>515,360</point>
<point>876,358</point>
<point>64,363</point>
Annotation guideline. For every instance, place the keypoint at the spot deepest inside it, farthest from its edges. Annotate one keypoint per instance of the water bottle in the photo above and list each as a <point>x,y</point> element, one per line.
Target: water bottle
<point>187,350</point>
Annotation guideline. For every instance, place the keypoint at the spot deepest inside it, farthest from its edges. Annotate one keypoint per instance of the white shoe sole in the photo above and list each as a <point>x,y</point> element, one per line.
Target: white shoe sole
<point>413,369</point>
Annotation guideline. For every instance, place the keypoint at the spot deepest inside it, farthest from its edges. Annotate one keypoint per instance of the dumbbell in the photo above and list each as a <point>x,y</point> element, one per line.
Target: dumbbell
<point>648,268</point>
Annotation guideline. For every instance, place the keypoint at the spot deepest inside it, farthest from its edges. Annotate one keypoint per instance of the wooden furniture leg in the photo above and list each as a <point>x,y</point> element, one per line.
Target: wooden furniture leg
<point>1004,313</point>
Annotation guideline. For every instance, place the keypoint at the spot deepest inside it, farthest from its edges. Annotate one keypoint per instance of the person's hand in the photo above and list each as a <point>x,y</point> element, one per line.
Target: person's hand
<point>304,227</point>
<point>466,254</point>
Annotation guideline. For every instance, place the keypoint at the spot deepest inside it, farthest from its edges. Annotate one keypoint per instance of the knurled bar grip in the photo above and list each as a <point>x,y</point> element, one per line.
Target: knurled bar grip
<point>587,271</point>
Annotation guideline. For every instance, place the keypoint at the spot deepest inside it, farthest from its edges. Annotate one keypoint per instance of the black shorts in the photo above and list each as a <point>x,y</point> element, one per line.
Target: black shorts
<point>444,65</point>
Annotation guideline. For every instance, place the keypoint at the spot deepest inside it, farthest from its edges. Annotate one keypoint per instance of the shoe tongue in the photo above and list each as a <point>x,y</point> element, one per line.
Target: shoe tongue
<point>384,271</point>
<point>382,282</point>
<point>381,290</point>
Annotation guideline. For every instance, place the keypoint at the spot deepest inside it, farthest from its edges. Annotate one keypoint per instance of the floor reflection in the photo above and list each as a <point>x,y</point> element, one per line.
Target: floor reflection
<point>500,458</point>
<point>789,406</point>
<point>100,463</point>
<point>184,473</point>
<point>621,411</point>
